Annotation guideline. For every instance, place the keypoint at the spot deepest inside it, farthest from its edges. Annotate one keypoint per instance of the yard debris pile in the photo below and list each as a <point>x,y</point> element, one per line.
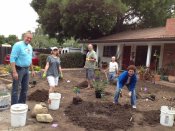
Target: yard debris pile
<point>39,96</point>
<point>100,116</point>
<point>83,84</point>
<point>77,100</point>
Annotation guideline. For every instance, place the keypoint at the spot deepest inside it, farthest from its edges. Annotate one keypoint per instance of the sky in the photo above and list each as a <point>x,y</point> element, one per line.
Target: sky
<point>17,17</point>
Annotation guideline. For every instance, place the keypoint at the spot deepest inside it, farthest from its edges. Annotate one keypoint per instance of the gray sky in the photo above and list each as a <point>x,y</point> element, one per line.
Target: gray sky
<point>17,17</point>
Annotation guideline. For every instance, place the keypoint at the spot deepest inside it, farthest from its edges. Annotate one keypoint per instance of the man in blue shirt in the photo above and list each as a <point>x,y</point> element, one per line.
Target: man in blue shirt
<point>21,60</point>
<point>129,79</point>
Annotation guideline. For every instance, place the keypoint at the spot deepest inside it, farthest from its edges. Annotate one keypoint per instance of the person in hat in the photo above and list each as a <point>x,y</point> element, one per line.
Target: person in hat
<point>53,69</point>
<point>129,79</point>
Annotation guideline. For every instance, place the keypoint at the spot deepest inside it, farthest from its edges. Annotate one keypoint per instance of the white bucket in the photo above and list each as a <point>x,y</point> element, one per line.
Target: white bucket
<point>54,101</point>
<point>18,115</point>
<point>167,116</point>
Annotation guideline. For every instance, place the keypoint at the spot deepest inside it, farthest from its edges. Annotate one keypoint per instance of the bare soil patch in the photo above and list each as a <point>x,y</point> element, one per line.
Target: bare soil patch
<point>100,116</point>
<point>39,96</point>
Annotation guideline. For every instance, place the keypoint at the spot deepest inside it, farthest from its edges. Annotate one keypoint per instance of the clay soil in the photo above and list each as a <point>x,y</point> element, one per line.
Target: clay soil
<point>93,114</point>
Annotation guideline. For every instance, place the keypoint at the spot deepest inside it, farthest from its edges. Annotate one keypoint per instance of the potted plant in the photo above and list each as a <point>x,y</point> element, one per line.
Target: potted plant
<point>99,84</point>
<point>141,71</point>
<point>76,100</point>
<point>171,68</point>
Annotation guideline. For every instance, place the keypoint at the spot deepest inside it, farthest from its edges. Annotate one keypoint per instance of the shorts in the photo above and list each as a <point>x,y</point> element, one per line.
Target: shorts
<point>90,74</point>
<point>53,81</point>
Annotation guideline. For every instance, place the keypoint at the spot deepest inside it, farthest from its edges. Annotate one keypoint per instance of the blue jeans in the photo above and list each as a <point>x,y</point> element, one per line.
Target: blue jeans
<point>20,87</point>
<point>117,94</point>
<point>111,76</point>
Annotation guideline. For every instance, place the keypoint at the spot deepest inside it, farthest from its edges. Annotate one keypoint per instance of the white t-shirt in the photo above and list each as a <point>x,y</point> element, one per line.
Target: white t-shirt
<point>113,66</point>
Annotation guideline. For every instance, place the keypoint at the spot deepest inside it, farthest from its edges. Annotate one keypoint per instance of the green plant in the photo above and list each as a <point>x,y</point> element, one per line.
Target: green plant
<point>42,60</point>
<point>72,60</point>
<point>37,68</point>
<point>76,90</point>
<point>8,68</point>
<point>99,84</point>
<point>141,70</point>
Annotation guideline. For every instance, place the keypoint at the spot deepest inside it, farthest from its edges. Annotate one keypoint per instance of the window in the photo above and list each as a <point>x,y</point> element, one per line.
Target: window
<point>109,51</point>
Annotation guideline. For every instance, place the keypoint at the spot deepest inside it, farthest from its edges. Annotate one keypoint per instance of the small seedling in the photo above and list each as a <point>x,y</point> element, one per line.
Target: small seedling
<point>76,90</point>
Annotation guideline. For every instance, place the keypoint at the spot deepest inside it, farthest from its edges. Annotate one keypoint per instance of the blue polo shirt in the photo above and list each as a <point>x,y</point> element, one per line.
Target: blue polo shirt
<point>21,54</point>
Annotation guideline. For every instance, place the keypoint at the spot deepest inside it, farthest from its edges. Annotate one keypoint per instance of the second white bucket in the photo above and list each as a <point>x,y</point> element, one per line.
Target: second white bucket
<point>167,116</point>
<point>54,101</point>
<point>18,115</point>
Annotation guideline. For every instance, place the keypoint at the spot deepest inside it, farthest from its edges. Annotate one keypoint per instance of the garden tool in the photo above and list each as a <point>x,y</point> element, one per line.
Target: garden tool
<point>33,82</point>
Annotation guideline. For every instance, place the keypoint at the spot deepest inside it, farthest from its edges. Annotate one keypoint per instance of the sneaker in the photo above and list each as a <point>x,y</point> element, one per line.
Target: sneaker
<point>134,106</point>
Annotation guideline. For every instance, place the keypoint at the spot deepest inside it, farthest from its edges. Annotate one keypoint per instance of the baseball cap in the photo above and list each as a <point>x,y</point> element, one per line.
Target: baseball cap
<point>54,48</point>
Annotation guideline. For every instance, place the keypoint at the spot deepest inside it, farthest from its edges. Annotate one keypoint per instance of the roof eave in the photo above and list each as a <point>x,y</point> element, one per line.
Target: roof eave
<point>129,40</point>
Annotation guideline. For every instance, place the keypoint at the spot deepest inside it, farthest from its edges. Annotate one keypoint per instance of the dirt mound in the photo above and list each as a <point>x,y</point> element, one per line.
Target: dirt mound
<point>151,117</point>
<point>82,85</point>
<point>77,100</point>
<point>39,96</point>
<point>100,116</point>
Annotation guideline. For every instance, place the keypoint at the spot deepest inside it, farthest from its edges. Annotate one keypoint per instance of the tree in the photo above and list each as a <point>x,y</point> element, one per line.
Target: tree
<point>79,18</point>
<point>90,19</point>
<point>42,41</point>
<point>11,39</point>
<point>149,13</point>
<point>71,43</point>
<point>2,39</point>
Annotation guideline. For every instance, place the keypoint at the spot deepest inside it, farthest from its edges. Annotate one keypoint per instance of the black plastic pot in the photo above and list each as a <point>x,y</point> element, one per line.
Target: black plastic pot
<point>98,94</point>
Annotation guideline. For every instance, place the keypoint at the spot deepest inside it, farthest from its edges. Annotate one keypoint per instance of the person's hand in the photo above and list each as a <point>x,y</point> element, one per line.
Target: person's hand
<point>33,74</point>
<point>44,75</point>
<point>129,94</point>
<point>61,76</point>
<point>15,75</point>
<point>87,59</point>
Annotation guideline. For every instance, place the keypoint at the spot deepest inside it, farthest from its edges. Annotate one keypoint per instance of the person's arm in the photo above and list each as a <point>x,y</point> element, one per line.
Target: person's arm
<point>133,83</point>
<point>13,57</point>
<point>46,67</point>
<point>117,69</point>
<point>14,72</point>
<point>93,58</point>
<point>33,72</point>
<point>61,73</point>
<point>121,79</point>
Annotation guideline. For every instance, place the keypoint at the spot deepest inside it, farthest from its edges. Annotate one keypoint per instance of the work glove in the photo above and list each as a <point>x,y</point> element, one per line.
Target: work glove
<point>61,75</point>
<point>44,75</point>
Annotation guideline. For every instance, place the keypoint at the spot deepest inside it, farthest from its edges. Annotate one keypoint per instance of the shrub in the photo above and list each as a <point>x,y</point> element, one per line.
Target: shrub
<point>72,60</point>
<point>42,60</point>
<point>69,60</point>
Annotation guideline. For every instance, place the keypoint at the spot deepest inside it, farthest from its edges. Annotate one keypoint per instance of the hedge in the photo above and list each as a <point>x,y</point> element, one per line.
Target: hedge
<point>68,60</point>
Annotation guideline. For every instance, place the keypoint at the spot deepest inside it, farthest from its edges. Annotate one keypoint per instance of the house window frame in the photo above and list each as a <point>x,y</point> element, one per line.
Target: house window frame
<point>109,51</point>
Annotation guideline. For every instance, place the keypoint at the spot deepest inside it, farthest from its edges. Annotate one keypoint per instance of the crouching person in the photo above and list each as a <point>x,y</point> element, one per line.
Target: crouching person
<point>129,79</point>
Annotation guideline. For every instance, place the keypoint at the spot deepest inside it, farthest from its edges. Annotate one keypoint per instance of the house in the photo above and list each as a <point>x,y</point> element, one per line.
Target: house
<point>140,47</point>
